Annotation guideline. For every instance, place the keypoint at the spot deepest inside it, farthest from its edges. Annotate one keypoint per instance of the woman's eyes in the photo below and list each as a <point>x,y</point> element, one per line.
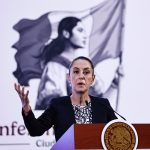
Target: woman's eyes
<point>75,71</point>
<point>84,72</point>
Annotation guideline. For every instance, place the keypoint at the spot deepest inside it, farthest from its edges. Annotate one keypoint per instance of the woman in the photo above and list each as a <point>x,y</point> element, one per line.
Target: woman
<point>56,59</point>
<point>79,107</point>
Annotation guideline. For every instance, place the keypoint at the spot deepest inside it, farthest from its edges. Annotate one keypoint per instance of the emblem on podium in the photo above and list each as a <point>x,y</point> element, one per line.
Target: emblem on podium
<point>119,135</point>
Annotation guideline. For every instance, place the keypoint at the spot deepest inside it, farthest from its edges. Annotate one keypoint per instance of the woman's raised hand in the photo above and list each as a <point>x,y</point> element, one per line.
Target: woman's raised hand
<point>23,96</point>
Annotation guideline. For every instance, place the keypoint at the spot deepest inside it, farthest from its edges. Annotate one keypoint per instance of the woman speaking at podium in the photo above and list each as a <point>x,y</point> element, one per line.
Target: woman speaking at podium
<point>77,108</point>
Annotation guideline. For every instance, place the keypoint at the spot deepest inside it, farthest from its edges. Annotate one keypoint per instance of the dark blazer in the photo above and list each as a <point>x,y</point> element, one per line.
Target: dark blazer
<point>60,113</point>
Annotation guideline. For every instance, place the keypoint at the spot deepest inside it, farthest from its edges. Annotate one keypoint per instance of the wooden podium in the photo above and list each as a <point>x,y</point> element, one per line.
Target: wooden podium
<point>88,136</point>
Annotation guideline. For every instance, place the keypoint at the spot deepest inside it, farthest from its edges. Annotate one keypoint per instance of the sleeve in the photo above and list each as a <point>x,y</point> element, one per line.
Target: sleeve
<point>110,112</point>
<point>37,126</point>
<point>52,84</point>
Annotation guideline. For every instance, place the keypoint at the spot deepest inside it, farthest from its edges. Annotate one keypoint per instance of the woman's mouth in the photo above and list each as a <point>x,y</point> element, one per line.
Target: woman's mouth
<point>81,83</point>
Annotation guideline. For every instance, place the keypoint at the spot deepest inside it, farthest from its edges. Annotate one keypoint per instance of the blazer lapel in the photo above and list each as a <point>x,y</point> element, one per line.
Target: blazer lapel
<point>94,111</point>
<point>69,110</point>
<point>98,113</point>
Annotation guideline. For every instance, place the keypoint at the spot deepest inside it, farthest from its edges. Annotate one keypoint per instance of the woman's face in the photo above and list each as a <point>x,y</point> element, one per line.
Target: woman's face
<point>79,37</point>
<point>81,76</point>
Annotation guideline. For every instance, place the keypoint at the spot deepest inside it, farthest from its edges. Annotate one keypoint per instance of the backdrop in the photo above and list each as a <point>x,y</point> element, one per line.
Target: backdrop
<point>133,101</point>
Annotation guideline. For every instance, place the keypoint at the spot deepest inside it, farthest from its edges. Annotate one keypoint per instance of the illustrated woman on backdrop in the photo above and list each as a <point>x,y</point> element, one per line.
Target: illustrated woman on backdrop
<point>56,59</point>
<point>78,108</point>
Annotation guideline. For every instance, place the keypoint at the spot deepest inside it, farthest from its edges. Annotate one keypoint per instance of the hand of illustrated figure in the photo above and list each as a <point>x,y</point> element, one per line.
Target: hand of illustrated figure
<point>23,96</point>
<point>119,73</point>
<point>97,87</point>
<point>120,70</point>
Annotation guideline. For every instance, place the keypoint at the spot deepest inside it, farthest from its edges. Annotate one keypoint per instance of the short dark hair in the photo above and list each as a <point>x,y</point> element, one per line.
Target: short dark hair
<point>83,58</point>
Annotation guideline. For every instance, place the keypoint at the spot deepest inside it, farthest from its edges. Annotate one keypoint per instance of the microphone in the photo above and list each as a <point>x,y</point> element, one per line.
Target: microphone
<point>110,108</point>
<point>119,115</point>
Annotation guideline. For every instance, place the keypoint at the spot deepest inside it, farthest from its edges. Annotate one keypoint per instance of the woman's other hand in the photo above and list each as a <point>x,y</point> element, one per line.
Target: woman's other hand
<point>23,96</point>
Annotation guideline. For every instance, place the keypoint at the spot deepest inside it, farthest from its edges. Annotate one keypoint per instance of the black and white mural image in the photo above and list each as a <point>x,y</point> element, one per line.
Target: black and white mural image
<point>52,41</point>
